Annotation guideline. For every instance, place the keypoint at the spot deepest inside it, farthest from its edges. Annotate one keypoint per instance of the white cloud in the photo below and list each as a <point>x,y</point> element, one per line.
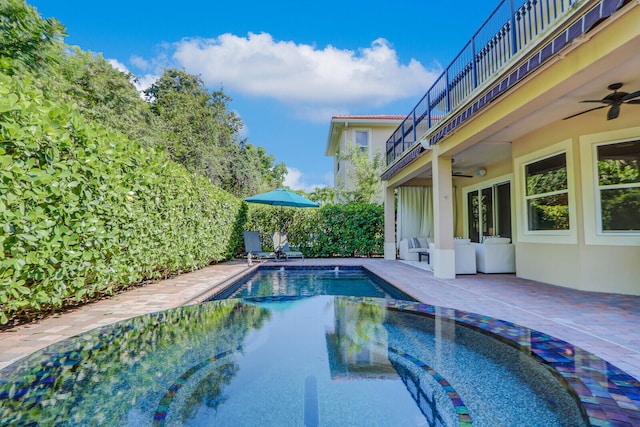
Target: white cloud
<point>118,65</point>
<point>296,180</point>
<point>145,82</point>
<point>301,74</point>
<point>141,83</point>
<point>139,62</point>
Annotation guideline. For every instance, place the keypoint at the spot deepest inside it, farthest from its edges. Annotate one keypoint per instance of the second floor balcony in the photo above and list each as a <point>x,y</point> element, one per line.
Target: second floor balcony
<point>514,41</point>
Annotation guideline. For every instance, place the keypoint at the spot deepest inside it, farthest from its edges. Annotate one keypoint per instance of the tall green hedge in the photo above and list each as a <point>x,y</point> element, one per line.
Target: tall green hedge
<point>355,229</point>
<point>84,212</point>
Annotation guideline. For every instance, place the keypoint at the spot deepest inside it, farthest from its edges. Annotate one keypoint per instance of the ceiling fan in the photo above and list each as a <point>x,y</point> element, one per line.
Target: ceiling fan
<point>461,175</point>
<point>613,100</point>
<point>479,173</point>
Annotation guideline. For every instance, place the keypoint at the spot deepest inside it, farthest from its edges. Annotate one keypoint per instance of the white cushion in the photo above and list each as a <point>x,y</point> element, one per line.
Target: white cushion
<point>492,258</point>
<point>417,242</point>
<point>496,240</point>
<point>461,241</point>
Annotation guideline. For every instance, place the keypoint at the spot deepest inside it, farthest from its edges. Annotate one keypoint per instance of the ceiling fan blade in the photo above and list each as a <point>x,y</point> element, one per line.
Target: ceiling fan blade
<point>599,101</point>
<point>631,96</point>
<point>633,101</point>
<point>613,112</point>
<point>460,175</point>
<point>586,111</point>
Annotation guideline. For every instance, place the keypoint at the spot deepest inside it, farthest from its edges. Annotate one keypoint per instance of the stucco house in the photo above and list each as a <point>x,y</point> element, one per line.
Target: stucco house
<point>369,132</point>
<point>532,133</point>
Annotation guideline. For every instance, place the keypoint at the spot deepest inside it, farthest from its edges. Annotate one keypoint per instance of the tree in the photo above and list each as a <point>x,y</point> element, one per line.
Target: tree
<point>364,173</point>
<point>323,195</point>
<point>204,135</point>
<point>28,42</point>
<point>107,96</point>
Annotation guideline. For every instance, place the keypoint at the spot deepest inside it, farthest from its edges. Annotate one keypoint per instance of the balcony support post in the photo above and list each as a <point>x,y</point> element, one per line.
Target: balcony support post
<point>444,263</point>
<point>389,224</point>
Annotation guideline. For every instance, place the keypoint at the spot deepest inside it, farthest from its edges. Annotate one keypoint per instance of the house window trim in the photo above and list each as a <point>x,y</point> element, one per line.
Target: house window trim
<point>591,199</point>
<point>369,142</point>
<point>525,235</point>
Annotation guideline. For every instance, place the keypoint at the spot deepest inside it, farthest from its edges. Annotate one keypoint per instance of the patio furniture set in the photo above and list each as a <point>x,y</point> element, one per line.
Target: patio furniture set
<point>494,255</point>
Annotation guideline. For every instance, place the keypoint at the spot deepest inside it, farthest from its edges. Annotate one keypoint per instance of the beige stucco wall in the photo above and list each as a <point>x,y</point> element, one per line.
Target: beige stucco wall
<point>377,143</point>
<point>578,264</point>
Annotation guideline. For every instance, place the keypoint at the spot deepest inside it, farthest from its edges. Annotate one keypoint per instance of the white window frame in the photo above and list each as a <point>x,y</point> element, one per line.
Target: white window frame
<point>525,235</point>
<point>355,139</point>
<point>486,184</point>
<point>593,234</point>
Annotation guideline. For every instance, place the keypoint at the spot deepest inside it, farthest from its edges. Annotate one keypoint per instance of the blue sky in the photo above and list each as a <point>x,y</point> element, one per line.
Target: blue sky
<point>289,66</point>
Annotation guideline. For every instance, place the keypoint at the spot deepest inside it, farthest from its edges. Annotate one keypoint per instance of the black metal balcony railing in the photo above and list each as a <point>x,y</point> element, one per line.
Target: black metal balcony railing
<point>507,32</point>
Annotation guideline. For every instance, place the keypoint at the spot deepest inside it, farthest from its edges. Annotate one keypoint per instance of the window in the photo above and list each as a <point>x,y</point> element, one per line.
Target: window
<point>489,211</point>
<point>547,194</point>
<point>618,187</point>
<point>362,139</point>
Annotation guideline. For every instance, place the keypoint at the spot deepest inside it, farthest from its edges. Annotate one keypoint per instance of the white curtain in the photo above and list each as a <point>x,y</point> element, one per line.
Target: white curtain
<point>415,212</point>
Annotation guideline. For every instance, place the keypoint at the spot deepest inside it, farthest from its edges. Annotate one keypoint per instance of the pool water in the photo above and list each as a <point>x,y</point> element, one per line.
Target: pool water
<point>280,281</point>
<point>315,360</point>
<point>321,360</point>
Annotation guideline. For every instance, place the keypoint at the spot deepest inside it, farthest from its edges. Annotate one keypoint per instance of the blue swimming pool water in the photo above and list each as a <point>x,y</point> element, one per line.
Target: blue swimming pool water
<point>288,361</point>
<point>330,280</point>
<point>314,360</point>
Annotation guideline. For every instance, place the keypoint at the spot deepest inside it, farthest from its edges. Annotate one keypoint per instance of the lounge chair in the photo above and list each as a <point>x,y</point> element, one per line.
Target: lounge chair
<point>281,246</point>
<point>252,246</point>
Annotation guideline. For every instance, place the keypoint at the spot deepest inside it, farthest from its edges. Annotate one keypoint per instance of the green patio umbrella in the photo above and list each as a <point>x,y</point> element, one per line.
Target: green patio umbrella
<point>282,197</point>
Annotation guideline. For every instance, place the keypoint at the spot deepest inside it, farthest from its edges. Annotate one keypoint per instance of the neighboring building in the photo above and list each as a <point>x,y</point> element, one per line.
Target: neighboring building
<point>529,134</point>
<point>368,132</point>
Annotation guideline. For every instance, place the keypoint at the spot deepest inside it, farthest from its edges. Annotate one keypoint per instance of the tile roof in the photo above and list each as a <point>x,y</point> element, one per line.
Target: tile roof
<point>370,117</point>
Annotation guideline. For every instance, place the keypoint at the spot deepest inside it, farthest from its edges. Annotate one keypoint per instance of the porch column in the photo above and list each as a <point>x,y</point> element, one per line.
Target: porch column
<point>444,262</point>
<point>389,224</point>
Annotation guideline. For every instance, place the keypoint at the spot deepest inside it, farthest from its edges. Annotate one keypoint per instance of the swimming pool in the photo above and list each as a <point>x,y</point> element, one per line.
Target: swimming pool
<point>277,280</point>
<point>317,360</point>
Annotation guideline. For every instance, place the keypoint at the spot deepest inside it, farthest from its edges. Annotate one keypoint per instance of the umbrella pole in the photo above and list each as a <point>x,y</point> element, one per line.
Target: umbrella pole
<point>280,235</point>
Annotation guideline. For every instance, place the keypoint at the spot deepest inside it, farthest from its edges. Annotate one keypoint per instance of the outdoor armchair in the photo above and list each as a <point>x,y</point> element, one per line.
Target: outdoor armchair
<point>252,246</point>
<point>496,255</point>
<point>281,246</point>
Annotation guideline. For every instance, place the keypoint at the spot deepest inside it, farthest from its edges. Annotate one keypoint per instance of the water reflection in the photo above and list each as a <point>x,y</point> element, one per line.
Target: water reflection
<point>291,360</point>
<point>357,341</point>
<point>112,376</point>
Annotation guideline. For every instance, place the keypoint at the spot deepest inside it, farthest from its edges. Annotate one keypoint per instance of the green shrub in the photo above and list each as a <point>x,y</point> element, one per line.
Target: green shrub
<point>85,212</point>
<point>355,229</point>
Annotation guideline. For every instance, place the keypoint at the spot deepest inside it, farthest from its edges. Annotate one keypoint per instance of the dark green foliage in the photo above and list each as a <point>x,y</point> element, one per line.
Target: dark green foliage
<point>351,230</point>
<point>329,231</point>
<point>85,212</point>
<point>104,95</point>
<point>201,133</point>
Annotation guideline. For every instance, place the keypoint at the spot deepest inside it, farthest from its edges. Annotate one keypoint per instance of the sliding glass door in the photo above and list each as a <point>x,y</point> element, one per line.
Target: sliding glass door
<point>489,211</point>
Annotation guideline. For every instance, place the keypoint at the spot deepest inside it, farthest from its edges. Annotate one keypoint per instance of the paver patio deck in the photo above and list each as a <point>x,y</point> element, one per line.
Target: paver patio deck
<point>604,324</point>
